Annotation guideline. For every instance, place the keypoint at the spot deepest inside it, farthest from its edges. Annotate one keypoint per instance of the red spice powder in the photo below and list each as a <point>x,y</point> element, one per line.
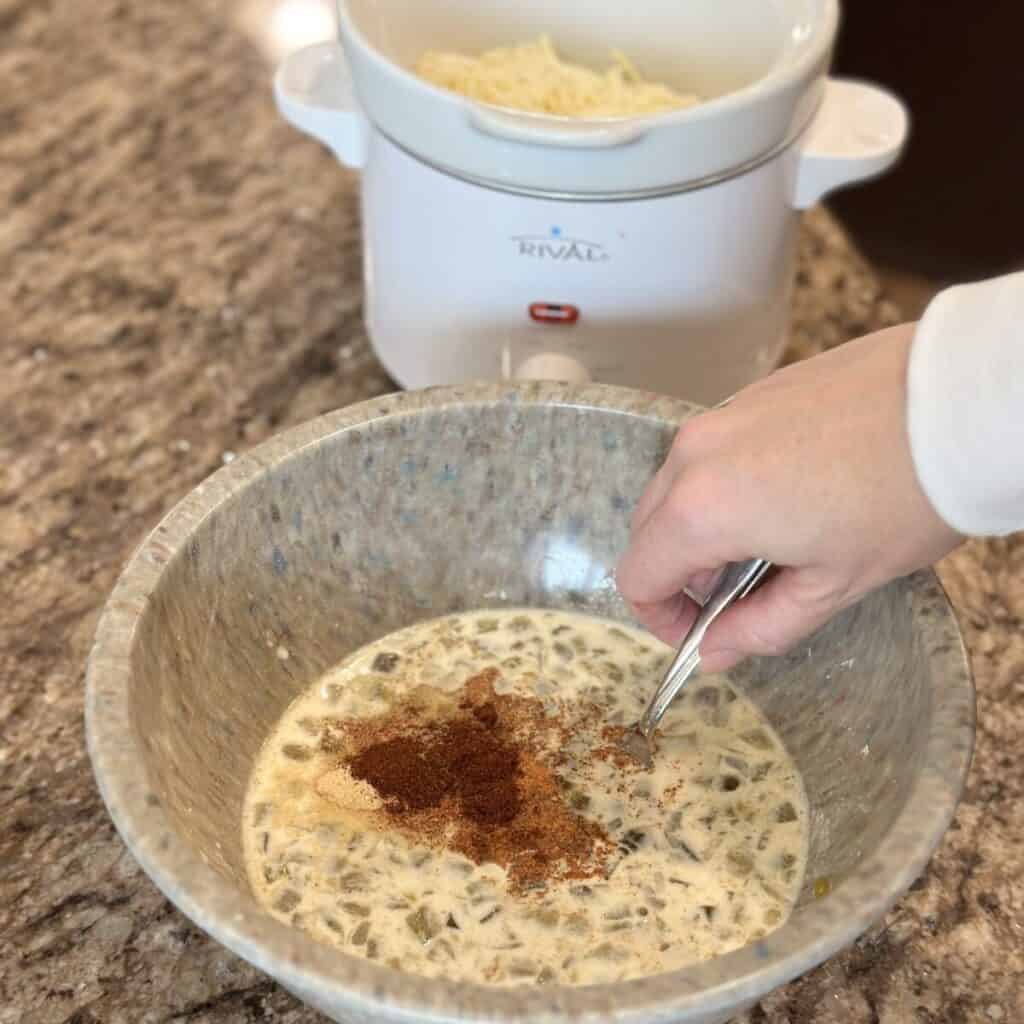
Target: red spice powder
<point>401,771</point>
<point>613,749</point>
<point>479,779</point>
<point>463,759</point>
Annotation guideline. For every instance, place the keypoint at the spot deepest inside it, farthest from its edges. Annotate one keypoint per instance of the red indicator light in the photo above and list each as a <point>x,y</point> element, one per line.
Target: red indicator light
<point>553,313</point>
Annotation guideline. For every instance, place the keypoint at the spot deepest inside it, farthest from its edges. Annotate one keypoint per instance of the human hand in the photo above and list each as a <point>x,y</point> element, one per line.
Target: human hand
<point>809,468</point>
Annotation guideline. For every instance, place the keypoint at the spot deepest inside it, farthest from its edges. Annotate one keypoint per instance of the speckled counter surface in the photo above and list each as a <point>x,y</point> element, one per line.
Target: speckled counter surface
<point>179,278</point>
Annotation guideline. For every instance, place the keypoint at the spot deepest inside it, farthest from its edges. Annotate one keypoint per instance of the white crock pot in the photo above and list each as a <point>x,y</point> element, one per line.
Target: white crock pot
<point>652,252</point>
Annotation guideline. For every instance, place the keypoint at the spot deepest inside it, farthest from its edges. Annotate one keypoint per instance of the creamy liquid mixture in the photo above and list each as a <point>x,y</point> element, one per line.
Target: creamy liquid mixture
<point>711,844</point>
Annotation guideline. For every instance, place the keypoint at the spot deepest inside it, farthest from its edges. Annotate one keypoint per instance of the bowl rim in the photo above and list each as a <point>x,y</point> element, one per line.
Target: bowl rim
<point>330,979</point>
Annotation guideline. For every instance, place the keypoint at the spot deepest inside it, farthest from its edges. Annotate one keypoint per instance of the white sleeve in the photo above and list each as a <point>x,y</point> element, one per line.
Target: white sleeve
<point>965,405</point>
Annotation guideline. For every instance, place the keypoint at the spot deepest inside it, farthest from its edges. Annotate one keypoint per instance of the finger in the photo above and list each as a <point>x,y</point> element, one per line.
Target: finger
<point>662,482</point>
<point>654,494</point>
<point>700,585</point>
<point>670,619</point>
<point>672,548</point>
<point>769,622</point>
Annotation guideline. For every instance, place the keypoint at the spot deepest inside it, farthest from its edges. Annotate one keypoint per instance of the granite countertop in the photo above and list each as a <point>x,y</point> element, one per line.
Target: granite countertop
<point>179,278</point>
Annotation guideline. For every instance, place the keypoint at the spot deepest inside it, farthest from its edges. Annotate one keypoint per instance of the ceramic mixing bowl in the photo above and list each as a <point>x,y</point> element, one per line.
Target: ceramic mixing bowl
<point>413,506</point>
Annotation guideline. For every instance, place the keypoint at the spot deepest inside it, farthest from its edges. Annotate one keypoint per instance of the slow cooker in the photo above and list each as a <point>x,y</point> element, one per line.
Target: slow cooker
<point>654,252</point>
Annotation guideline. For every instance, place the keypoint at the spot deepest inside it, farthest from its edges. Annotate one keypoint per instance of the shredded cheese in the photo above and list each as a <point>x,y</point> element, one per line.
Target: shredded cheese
<point>532,77</point>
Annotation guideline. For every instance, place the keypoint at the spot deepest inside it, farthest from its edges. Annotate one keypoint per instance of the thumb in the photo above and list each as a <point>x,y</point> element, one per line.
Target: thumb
<point>769,622</point>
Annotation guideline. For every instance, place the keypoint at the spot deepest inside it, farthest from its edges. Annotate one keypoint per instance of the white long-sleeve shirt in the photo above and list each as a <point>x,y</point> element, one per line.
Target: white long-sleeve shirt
<point>965,405</point>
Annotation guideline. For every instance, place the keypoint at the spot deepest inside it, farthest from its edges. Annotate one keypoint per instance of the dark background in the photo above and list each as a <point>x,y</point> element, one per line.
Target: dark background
<point>953,210</point>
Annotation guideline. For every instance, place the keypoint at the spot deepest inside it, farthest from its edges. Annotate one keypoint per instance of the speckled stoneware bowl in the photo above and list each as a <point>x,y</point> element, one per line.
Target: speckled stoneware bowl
<point>416,505</point>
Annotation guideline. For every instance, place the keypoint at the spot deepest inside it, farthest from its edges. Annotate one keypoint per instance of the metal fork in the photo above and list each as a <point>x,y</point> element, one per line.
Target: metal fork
<point>736,582</point>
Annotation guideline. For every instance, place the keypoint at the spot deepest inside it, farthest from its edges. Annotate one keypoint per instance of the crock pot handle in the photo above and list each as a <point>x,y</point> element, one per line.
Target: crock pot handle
<point>313,90</point>
<point>857,133</point>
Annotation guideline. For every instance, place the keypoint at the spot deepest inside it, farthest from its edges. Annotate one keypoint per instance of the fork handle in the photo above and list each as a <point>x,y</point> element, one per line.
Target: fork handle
<point>736,582</point>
